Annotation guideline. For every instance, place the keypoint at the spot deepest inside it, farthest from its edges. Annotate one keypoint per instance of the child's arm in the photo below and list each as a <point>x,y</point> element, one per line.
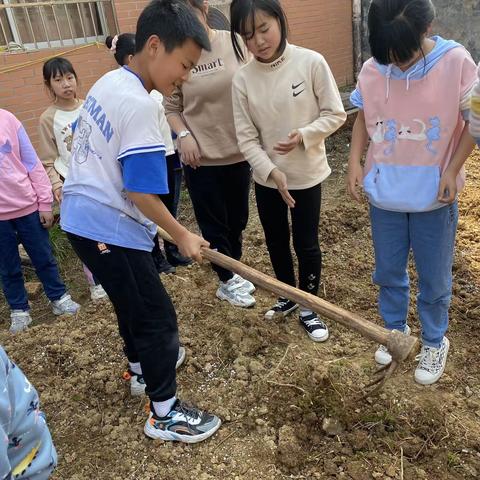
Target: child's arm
<point>357,148</point>
<point>5,423</point>
<point>38,177</point>
<point>153,208</point>
<point>447,191</point>
<point>188,146</point>
<point>48,153</point>
<point>475,111</point>
<point>332,114</point>
<point>247,133</point>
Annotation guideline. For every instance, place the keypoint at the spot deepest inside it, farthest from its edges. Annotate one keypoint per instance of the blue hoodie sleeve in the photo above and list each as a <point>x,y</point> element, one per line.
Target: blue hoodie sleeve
<point>356,98</point>
<point>26,447</point>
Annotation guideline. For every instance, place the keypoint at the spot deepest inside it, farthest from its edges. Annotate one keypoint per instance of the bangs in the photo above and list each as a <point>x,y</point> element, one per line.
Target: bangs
<point>57,66</point>
<point>243,21</point>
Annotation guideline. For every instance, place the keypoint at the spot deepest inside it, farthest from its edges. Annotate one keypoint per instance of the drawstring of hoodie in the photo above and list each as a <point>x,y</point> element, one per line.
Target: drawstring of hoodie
<point>389,74</point>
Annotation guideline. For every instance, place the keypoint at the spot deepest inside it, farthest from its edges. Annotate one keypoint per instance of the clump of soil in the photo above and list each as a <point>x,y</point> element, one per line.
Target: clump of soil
<point>276,391</point>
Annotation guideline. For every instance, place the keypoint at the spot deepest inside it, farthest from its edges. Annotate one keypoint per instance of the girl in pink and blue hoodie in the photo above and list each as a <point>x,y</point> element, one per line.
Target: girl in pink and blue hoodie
<point>413,98</point>
<point>25,215</point>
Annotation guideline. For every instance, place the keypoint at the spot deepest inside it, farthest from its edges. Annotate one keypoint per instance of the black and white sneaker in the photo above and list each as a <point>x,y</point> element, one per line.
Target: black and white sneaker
<point>314,327</point>
<point>137,382</point>
<point>281,309</point>
<point>431,363</point>
<point>183,423</point>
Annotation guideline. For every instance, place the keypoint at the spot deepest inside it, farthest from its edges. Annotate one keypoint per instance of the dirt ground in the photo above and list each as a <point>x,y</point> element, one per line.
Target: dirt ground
<point>291,408</point>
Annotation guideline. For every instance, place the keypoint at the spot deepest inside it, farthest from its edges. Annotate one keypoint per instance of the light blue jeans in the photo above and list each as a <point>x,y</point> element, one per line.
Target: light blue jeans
<point>431,237</point>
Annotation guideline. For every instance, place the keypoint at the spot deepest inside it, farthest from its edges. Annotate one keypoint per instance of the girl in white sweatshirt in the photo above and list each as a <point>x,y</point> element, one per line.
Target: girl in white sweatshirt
<point>285,102</point>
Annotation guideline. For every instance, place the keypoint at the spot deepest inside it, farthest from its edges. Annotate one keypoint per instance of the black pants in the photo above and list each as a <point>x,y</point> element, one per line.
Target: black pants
<point>220,200</point>
<point>273,212</point>
<point>172,198</point>
<point>146,317</point>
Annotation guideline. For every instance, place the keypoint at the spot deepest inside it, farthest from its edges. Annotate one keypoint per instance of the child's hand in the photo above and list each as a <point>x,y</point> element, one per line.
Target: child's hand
<point>447,191</point>
<point>294,139</point>
<point>189,151</point>
<point>46,219</point>
<point>190,245</point>
<point>58,195</point>
<point>280,180</point>
<point>355,180</point>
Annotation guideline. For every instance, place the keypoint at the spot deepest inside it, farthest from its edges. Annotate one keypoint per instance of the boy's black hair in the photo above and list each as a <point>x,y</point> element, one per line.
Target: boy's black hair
<point>57,66</point>
<point>173,22</point>
<point>125,46</point>
<point>396,28</point>
<point>242,17</point>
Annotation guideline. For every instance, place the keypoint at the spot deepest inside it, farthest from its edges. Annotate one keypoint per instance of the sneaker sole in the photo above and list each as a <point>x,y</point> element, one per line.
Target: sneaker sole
<point>60,312</point>
<point>273,315</point>
<point>166,435</point>
<point>434,379</point>
<point>222,296</point>
<point>319,340</point>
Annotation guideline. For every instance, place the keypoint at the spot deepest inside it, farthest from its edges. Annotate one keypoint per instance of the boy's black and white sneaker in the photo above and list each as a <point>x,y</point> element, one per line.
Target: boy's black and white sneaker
<point>281,309</point>
<point>137,382</point>
<point>314,327</point>
<point>184,423</point>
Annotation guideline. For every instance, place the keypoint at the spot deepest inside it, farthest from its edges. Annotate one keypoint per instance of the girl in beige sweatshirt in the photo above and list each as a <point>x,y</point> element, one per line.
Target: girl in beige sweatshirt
<point>200,112</point>
<point>56,135</point>
<point>286,103</point>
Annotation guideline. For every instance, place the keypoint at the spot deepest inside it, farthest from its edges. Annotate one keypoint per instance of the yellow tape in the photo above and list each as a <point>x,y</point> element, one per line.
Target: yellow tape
<point>19,66</point>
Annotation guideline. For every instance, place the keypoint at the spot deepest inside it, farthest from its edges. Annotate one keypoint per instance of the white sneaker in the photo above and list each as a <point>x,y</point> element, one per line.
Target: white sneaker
<point>65,305</point>
<point>232,292</point>
<point>137,382</point>
<point>97,293</point>
<point>20,320</point>
<point>245,285</point>
<point>431,363</point>
<point>382,355</point>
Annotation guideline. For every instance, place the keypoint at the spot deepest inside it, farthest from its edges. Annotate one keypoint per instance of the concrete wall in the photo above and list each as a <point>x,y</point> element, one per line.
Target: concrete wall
<point>456,19</point>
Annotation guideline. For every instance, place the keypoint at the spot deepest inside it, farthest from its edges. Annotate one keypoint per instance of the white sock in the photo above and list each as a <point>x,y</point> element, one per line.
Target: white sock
<point>304,312</point>
<point>135,367</point>
<point>162,409</point>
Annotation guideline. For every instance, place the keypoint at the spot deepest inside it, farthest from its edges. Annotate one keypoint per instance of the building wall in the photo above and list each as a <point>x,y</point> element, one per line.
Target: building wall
<point>456,19</point>
<point>323,25</point>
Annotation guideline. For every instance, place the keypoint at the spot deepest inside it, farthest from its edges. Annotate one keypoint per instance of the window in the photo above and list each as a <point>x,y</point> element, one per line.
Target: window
<point>56,23</point>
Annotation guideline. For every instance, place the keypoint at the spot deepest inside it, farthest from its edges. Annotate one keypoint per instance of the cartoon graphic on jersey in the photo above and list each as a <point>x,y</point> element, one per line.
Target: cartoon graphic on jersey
<point>405,132</point>
<point>379,134</point>
<point>433,134</point>
<point>82,146</point>
<point>33,407</point>
<point>390,136</point>
<point>22,467</point>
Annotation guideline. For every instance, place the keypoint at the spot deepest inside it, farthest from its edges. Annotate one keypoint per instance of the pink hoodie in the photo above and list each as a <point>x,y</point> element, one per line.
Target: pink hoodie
<point>24,184</point>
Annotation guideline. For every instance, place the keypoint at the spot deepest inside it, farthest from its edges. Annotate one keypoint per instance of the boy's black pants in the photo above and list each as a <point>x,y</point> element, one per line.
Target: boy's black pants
<point>146,317</point>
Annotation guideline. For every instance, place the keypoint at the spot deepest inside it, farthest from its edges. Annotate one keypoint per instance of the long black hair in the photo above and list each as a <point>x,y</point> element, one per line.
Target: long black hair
<point>396,28</point>
<point>125,46</point>
<point>242,17</point>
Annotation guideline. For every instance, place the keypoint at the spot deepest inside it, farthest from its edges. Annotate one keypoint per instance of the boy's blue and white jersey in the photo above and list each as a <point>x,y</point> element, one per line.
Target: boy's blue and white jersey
<point>117,147</point>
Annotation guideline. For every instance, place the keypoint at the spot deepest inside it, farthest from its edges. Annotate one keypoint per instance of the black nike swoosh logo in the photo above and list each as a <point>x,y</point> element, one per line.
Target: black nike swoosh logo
<point>296,94</point>
<point>294,87</point>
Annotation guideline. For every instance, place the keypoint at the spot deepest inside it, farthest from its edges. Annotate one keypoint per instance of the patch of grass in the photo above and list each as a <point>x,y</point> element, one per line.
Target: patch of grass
<point>453,460</point>
<point>61,246</point>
